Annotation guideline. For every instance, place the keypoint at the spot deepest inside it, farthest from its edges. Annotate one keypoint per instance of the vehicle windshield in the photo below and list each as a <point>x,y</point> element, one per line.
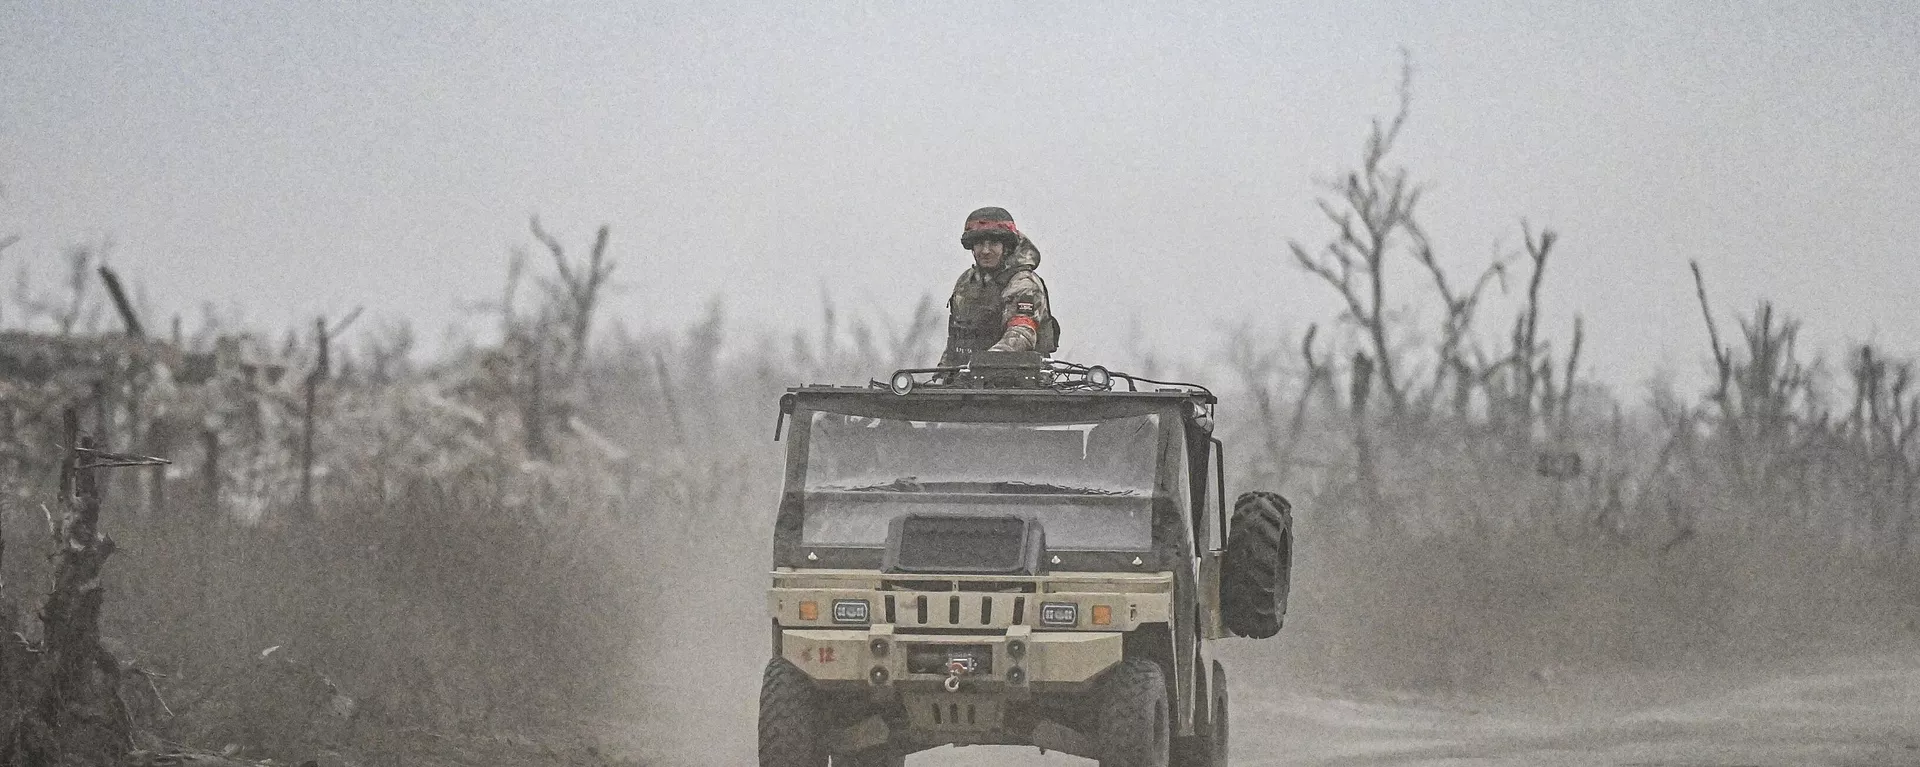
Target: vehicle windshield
<point>1089,483</point>
<point>1111,457</point>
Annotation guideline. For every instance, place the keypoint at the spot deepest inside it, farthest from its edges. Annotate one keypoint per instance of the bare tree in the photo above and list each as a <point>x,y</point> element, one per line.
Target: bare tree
<point>576,294</point>
<point>1525,386</point>
<point>506,307</point>
<point>64,704</point>
<point>1372,210</point>
<point>1457,324</point>
<point>1526,329</point>
<point>1259,368</point>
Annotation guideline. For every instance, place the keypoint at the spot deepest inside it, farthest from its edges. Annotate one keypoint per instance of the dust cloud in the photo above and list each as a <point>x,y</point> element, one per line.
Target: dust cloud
<point>1499,615</point>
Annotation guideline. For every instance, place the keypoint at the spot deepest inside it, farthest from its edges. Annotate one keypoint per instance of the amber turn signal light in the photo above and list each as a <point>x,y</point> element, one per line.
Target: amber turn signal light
<point>1102,615</point>
<point>809,611</point>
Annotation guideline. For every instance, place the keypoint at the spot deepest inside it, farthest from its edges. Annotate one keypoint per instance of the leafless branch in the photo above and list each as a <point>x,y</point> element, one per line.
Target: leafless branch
<point>1722,356</point>
<point>576,295</point>
<point>344,323</point>
<point>1372,210</point>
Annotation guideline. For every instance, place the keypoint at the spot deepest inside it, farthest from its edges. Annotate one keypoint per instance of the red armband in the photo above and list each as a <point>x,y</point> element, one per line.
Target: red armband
<point>1023,321</point>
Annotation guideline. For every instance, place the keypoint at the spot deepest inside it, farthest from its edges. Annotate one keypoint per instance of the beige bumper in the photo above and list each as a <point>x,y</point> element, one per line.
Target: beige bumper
<point>1021,658</point>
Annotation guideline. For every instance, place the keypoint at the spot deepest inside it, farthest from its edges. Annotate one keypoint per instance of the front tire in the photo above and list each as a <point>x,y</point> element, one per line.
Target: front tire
<point>1135,730</point>
<point>873,757</point>
<point>790,720</point>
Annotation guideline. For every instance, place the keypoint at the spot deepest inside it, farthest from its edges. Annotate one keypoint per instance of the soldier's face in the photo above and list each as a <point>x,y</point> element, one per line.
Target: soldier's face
<point>987,254</point>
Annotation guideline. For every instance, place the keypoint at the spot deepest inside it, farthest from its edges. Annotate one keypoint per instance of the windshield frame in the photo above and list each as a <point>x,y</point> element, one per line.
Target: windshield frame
<point>1168,497</point>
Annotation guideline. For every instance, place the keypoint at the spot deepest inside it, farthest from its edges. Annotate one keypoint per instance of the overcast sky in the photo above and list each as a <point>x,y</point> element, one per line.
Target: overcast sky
<point>306,157</point>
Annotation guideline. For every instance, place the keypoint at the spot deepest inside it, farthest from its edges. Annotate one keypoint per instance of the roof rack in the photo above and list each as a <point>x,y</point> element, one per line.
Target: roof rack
<point>1024,370</point>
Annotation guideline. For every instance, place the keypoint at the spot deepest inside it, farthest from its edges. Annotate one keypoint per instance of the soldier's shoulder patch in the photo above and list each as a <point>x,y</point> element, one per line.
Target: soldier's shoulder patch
<point>1023,307</point>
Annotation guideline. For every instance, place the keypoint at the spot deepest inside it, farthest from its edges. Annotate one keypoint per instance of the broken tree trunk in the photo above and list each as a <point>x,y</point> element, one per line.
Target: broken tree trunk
<point>210,473</point>
<point>312,385</point>
<point>534,407</point>
<point>70,710</point>
<point>128,317</point>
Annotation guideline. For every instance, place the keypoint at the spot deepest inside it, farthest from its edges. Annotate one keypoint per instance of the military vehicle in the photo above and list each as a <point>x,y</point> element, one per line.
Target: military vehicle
<point>1017,551</point>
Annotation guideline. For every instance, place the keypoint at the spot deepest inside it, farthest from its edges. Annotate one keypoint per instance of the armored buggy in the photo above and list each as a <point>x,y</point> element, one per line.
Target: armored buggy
<point>1018,551</point>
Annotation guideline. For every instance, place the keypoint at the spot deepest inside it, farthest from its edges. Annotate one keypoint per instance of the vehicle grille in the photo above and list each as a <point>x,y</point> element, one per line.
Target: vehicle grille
<point>940,611</point>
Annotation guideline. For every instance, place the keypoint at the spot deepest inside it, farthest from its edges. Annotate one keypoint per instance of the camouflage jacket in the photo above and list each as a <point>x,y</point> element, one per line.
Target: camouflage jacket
<point>1003,310</point>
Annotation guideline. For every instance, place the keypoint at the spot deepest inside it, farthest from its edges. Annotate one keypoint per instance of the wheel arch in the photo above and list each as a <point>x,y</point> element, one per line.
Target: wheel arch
<point>1157,642</point>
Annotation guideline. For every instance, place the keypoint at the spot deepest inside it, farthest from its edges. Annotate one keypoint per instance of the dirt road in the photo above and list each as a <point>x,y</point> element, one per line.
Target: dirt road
<point>1858,712</point>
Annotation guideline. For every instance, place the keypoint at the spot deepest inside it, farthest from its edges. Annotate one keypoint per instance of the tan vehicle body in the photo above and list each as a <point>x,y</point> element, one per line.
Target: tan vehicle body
<point>1010,605</point>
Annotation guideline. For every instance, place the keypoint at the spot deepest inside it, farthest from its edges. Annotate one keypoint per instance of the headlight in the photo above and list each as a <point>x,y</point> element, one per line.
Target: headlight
<point>849,611</point>
<point>1059,614</point>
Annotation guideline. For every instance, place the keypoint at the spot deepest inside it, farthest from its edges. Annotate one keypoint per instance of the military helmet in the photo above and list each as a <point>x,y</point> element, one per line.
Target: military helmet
<point>989,223</point>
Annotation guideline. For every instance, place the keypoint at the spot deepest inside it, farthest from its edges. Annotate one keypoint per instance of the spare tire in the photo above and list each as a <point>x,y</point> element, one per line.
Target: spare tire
<point>1254,573</point>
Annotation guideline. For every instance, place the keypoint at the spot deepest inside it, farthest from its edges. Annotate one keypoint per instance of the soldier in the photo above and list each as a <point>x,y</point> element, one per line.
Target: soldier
<point>998,304</point>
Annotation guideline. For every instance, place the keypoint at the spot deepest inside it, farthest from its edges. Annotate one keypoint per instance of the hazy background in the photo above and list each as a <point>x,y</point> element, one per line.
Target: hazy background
<point>310,158</point>
<point>289,159</point>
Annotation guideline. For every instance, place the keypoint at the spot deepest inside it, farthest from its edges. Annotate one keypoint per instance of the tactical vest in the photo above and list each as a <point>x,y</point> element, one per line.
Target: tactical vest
<point>976,322</point>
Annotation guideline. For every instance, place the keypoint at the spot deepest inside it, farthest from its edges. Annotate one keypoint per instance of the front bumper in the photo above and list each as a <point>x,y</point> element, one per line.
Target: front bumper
<point>1017,662</point>
<point>1024,662</point>
<point>978,707</point>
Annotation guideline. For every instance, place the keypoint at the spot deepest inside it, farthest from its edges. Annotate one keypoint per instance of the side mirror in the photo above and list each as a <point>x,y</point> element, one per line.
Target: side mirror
<point>786,409</point>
